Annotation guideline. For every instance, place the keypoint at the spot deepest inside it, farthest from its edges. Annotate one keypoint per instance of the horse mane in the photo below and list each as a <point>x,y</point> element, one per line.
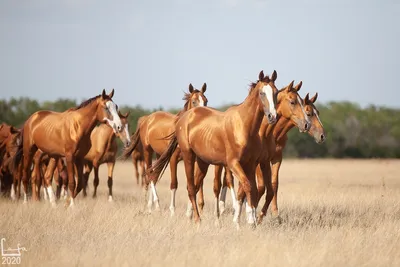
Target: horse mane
<point>186,97</point>
<point>85,103</point>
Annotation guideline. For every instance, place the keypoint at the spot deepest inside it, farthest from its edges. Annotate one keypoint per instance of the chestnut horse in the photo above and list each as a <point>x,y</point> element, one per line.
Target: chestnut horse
<point>289,107</point>
<point>151,132</point>
<point>208,136</point>
<point>104,150</point>
<point>316,131</point>
<point>8,147</point>
<point>65,134</point>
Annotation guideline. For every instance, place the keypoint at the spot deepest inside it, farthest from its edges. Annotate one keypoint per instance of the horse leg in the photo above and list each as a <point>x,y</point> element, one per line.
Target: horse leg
<point>229,183</point>
<point>200,171</point>
<point>261,181</point>
<point>69,158</point>
<point>198,181</point>
<point>222,194</point>
<point>154,192</point>
<point>173,164</point>
<point>64,178</point>
<point>79,175</point>
<point>36,177</point>
<point>58,178</point>
<point>245,185</point>
<point>96,179</point>
<point>135,166</point>
<point>276,165</point>
<point>13,186</point>
<point>29,151</point>
<point>265,172</point>
<point>142,167</point>
<point>43,168</point>
<point>110,166</point>
<point>48,179</point>
<point>148,153</point>
<point>189,160</point>
<point>16,189</point>
<point>88,166</point>
<point>200,193</point>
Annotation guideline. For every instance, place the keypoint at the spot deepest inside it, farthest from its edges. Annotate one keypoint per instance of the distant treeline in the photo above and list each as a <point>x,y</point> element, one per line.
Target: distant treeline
<point>351,131</point>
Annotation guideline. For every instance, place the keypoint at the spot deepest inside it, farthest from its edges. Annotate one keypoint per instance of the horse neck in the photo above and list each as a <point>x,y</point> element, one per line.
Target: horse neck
<point>89,115</point>
<point>252,113</point>
<point>185,108</point>
<point>111,138</point>
<point>287,125</point>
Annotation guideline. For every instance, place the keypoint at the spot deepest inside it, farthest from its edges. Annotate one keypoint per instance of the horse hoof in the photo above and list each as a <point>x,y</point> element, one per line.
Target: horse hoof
<point>110,199</point>
<point>189,214</point>
<point>237,226</point>
<point>217,223</point>
<point>172,211</point>
<point>277,219</point>
<point>253,226</point>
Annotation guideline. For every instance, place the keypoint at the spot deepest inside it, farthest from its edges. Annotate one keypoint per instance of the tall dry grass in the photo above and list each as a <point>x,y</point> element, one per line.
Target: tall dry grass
<point>335,213</point>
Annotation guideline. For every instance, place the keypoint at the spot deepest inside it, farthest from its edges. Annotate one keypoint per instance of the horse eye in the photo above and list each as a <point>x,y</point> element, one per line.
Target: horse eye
<point>262,93</point>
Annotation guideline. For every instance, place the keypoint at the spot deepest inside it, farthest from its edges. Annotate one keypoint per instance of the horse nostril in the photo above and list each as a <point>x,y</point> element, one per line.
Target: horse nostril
<point>322,137</point>
<point>307,126</point>
<point>269,116</point>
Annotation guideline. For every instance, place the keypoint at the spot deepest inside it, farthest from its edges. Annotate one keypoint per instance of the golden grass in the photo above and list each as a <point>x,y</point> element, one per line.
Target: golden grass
<point>335,213</point>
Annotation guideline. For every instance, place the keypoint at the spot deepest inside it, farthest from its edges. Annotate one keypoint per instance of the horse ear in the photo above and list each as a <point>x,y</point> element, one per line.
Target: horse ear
<point>289,88</point>
<point>204,88</point>
<point>314,98</point>
<point>261,76</point>
<point>274,76</point>
<point>103,94</point>
<point>111,94</point>
<point>127,114</point>
<point>298,86</point>
<point>191,88</point>
<point>307,98</point>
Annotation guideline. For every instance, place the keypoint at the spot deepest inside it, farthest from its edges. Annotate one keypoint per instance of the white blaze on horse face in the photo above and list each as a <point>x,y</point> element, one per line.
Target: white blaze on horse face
<point>115,122</point>
<point>316,114</point>
<point>201,101</point>
<point>267,89</point>
<point>302,108</point>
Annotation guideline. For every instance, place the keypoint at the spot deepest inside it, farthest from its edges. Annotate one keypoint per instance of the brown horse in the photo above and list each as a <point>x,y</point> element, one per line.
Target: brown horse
<point>316,131</point>
<point>138,162</point>
<point>208,136</point>
<point>289,108</point>
<point>104,150</point>
<point>151,132</point>
<point>8,147</point>
<point>65,134</point>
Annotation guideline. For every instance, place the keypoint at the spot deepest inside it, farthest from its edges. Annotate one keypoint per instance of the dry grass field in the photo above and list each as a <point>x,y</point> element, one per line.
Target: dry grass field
<point>335,213</point>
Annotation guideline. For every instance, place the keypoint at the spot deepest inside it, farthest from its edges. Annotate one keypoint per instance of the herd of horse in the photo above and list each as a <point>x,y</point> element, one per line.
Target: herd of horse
<point>245,141</point>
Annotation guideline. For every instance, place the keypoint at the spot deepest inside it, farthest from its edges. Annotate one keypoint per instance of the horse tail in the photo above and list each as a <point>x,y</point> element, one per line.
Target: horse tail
<point>135,140</point>
<point>17,158</point>
<point>157,170</point>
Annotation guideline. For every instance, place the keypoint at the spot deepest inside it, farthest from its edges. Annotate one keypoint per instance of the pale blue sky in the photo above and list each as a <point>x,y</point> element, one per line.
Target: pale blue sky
<point>149,51</point>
